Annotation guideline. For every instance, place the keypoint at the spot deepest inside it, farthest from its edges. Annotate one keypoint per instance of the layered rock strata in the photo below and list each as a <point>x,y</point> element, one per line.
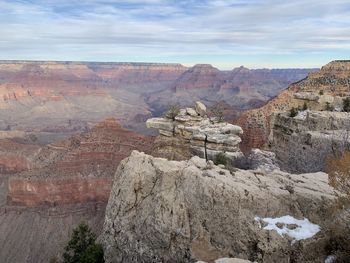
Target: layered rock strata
<point>76,170</point>
<point>183,211</point>
<point>319,91</point>
<point>304,142</point>
<point>191,132</point>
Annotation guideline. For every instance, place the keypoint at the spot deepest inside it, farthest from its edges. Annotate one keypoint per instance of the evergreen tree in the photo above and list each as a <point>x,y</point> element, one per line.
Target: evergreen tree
<point>82,247</point>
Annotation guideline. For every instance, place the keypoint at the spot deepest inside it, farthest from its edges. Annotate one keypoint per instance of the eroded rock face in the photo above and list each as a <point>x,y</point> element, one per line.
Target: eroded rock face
<point>76,170</point>
<point>303,143</point>
<point>191,132</point>
<point>262,160</point>
<point>171,211</point>
<point>327,86</point>
<point>58,191</point>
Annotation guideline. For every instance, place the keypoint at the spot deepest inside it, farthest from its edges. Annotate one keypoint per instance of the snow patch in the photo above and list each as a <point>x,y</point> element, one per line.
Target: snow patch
<point>302,115</point>
<point>330,259</point>
<point>290,226</point>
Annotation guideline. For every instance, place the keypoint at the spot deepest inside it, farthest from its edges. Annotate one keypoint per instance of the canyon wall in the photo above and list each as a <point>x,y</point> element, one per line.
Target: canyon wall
<point>329,85</point>
<point>304,143</point>
<point>31,192</point>
<point>61,97</point>
<point>76,170</point>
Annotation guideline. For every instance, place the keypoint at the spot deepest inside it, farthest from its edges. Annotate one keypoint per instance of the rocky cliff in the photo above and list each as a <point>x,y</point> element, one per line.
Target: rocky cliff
<point>325,87</point>
<point>170,211</point>
<point>304,142</point>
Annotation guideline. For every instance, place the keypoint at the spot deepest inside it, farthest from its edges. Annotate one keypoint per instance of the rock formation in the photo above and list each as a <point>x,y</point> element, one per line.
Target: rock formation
<point>326,87</point>
<point>304,142</point>
<point>183,211</point>
<point>78,169</point>
<point>190,131</point>
<point>262,160</point>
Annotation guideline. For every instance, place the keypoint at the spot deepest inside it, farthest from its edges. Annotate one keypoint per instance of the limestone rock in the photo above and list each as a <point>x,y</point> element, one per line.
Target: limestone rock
<point>160,124</point>
<point>171,211</point>
<point>306,96</point>
<point>197,135</point>
<point>191,112</point>
<point>303,144</point>
<point>262,160</point>
<point>201,109</point>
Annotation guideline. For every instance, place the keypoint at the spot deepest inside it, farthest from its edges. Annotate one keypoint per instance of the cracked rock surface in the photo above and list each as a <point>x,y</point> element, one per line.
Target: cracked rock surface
<point>187,211</point>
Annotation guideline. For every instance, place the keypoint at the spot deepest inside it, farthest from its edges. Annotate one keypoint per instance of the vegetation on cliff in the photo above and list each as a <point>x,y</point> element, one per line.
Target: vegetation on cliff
<point>82,247</point>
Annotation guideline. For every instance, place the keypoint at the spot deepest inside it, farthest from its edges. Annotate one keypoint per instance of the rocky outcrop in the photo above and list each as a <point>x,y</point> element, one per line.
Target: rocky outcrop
<point>191,132</point>
<point>321,89</point>
<point>76,170</point>
<point>262,160</point>
<point>170,211</point>
<point>304,142</point>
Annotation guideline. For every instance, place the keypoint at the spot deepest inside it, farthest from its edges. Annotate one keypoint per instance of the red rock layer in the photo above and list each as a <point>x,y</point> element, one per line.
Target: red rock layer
<point>58,191</point>
<point>16,157</point>
<point>77,170</point>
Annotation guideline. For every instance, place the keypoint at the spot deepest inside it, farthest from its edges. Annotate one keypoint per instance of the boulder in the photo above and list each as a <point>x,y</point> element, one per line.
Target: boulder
<point>186,211</point>
<point>262,160</point>
<point>191,112</point>
<point>201,109</point>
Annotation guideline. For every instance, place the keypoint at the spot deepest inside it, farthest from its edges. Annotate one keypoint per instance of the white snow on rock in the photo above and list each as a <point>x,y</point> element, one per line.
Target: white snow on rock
<point>330,259</point>
<point>290,226</point>
<point>302,115</point>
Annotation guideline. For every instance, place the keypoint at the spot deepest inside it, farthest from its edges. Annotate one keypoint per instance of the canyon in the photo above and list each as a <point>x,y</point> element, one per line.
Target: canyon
<point>56,99</point>
<point>79,138</point>
<point>65,183</point>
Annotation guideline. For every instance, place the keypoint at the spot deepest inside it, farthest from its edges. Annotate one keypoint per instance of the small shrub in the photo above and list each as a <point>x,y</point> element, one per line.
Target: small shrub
<point>221,158</point>
<point>338,169</point>
<point>172,112</point>
<point>293,112</point>
<point>329,107</point>
<point>346,104</point>
<point>321,92</point>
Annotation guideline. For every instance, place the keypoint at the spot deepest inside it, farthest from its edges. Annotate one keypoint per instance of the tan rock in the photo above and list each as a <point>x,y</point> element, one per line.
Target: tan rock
<point>206,213</point>
<point>201,109</point>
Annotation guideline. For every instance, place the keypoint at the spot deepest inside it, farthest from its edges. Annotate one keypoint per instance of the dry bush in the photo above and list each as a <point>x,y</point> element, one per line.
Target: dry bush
<point>338,169</point>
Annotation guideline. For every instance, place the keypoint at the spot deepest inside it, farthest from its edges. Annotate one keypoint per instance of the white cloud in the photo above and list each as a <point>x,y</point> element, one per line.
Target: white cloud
<point>138,28</point>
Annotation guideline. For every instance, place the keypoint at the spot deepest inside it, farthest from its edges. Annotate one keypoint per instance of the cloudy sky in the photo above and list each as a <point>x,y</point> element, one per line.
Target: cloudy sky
<point>254,33</point>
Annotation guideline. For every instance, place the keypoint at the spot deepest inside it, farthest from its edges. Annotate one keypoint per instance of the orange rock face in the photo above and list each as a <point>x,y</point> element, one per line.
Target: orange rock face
<point>57,191</point>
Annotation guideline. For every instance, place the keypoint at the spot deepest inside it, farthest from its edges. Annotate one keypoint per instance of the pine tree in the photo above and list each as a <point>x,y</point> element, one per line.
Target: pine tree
<point>82,247</point>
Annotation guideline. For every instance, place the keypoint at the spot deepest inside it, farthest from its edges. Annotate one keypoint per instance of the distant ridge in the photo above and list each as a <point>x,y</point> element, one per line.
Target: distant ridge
<point>87,63</point>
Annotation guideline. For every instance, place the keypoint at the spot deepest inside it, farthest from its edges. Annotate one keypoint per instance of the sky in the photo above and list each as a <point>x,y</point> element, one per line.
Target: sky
<point>226,34</point>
